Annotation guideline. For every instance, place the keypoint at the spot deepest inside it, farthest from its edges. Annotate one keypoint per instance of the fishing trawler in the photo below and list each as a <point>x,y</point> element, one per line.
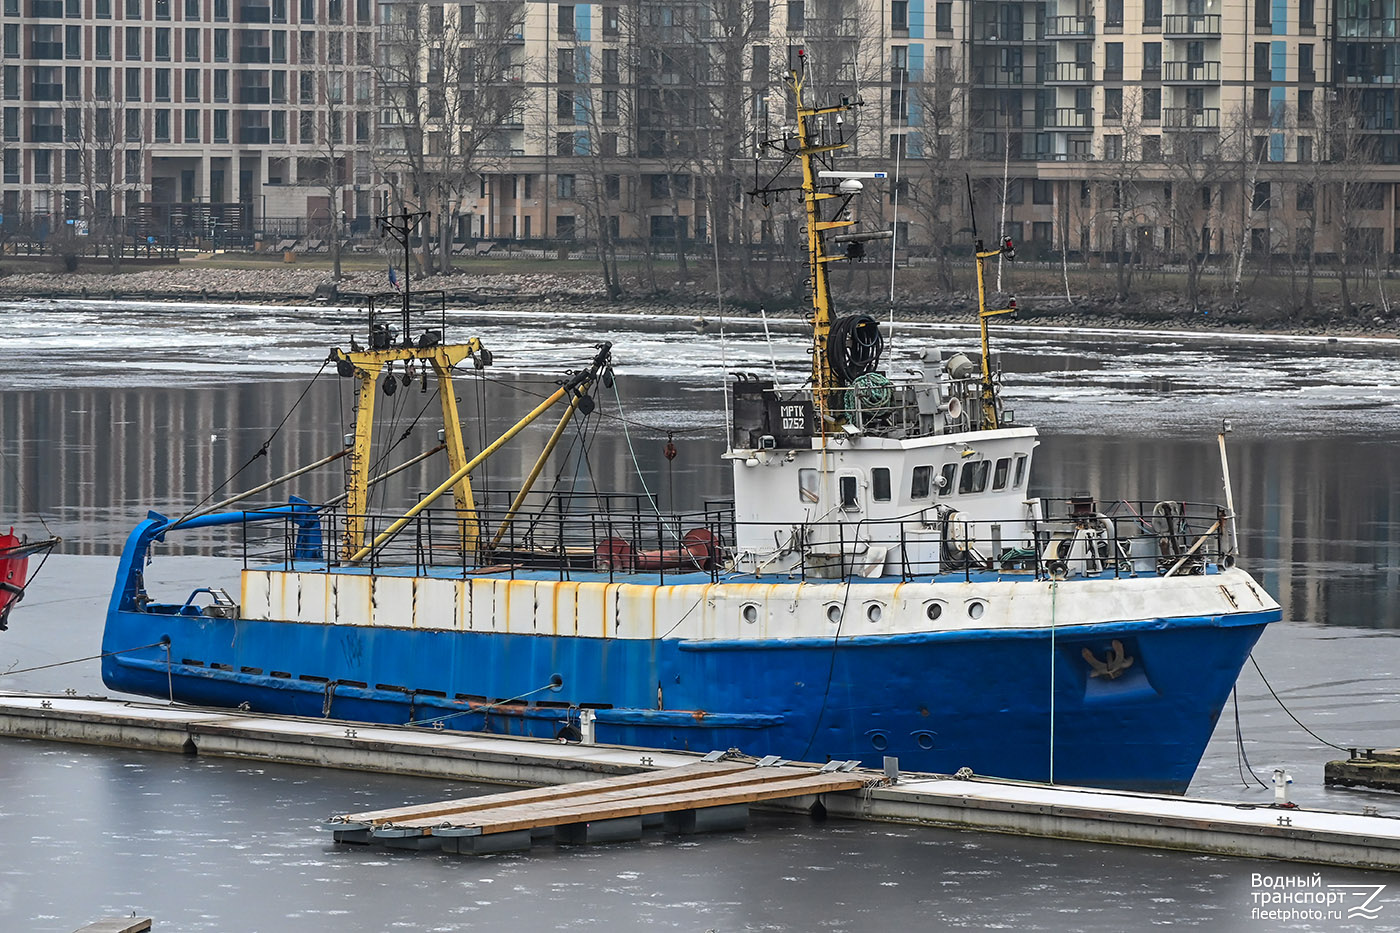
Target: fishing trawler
<point>882,584</point>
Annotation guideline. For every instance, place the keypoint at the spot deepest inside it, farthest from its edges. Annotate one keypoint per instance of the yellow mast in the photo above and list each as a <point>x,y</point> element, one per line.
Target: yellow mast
<point>990,421</point>
<point>822,381</point>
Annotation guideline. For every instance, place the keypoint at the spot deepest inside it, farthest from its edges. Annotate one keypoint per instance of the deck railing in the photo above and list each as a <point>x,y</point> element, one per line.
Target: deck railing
<point>586,537</point>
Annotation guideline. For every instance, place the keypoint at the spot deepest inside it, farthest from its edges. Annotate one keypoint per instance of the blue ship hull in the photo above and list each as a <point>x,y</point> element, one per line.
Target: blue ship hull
<point>938,702</point>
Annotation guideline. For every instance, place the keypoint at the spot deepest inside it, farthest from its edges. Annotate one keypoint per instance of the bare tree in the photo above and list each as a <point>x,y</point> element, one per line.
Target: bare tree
<point>937,165</point>
<point>1196,172</point>
<point>1349,148</point>
<point>110,147</point>
<point>1120,184</point>
<point>450,82</point>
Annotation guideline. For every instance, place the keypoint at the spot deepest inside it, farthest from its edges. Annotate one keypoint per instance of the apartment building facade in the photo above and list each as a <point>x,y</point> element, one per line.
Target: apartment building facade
<point>1088,125</point>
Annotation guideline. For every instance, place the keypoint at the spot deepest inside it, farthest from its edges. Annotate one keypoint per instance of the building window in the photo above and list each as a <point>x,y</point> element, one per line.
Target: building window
<point>899,15</point>
<point>102,42</point>
<point>796,16</point>
<point>1113,14</point>
<point>162,84</point>
<point>610,25</point>
<point>1113,104</point>
<point>220,45</point>
<point>1305,15</point>
<point>133,9</point>
<point>221,86</point>
<point>103,9</point>
<point>943,16</point>
<point>564,226</point>
<point>191,11</point>
<point>308,11</point>
<point>565,22</point>
<point>1151,61</point>
<point>133,43</point>
<point>191,45</point>
<point>1263,17</point>
<point>565,186</point>
<point>220,126</point>
<point>72,42</point>
<point>1305,149</point>
<point>133,83</point>
<point>1152,14</point>
<point>191,126</point>
<point>1152,104</point>
<point>191,85</point>
<point>1113,148</point>
<point>162,9</point>
<point>162,126</point>
<point>1113,61</point>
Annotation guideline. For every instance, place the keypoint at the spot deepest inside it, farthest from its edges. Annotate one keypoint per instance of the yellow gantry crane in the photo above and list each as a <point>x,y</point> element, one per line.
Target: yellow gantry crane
<point>428,352</point>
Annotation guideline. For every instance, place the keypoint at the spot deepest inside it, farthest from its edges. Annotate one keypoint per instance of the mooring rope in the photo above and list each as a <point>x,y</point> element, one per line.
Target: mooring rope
<point>93,657</point>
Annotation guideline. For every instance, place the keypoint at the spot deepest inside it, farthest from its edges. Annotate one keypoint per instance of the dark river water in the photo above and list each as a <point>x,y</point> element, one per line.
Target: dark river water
<point>107,412</point>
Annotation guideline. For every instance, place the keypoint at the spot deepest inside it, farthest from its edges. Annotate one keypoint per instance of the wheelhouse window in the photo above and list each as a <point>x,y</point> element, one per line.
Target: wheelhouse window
<point>1002,473</point>
<point>1020,470</point>
<point>974,477</point>
<point>919,485</point>
<point>809,485</point>
<point>946,478</point>
<point>880,484</point>
<point>850,494</point>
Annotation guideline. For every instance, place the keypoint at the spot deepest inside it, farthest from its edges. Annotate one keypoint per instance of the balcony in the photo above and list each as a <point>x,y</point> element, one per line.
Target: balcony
<point>1188,118</point>
<point>46,133</point>
<point>254,54</point>
<point>46,92</point>
<point>1068,73</point>
<point>1191,24</point>
<point>1000,32</point>
<point>1190,72</point>
<point>998,76</point>
<point>254,14</point>
<point>252,94</point>
<point>45,50</point>
<point>46,9</point>
<point>1067,118</point>
<point>255,135</point>
<point>1069,27</point>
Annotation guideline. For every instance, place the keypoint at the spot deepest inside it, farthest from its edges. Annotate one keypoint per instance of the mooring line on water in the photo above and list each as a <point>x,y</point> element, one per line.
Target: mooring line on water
<point>93,657</point>
<point>1241,757</point>
<point>1283,706</point>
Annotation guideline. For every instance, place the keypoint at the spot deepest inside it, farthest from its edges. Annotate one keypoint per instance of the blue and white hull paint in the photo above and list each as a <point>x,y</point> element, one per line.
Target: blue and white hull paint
<point>983,673</point>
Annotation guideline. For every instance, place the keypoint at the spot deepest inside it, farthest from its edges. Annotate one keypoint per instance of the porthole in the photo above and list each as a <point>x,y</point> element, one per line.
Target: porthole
<point>833,612</point>
<point>925,740</point>
<point>750,613</point>
<point>879,741</point>
<point>975,609</point>
<point>933,611</point>
<point>874,612</point>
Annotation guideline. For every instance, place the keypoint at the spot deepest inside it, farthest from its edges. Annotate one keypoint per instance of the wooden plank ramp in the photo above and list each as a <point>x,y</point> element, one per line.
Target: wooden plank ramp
<point>710,795</point>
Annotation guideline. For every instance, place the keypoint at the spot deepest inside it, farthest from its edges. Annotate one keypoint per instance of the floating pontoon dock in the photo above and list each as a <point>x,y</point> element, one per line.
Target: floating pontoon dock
<point>1182,823</point>
<point>712,794</point>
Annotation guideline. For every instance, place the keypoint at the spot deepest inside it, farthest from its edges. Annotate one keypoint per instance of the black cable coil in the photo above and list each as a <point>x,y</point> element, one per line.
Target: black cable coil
<point>854,347</point>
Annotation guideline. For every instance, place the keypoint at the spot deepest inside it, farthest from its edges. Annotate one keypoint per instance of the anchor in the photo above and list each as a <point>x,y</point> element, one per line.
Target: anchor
<point>1113,665</point>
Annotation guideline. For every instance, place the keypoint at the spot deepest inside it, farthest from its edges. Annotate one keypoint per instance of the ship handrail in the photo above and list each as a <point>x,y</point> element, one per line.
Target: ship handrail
<point>1061,538</point>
